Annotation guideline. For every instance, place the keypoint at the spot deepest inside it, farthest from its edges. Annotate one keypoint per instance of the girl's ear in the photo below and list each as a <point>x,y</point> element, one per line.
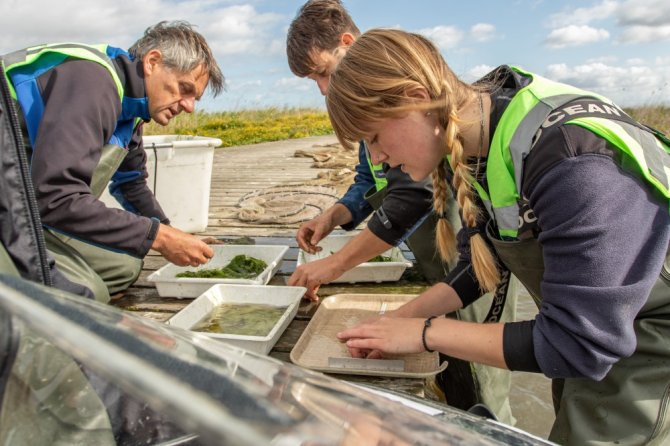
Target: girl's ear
<point>420,94</point>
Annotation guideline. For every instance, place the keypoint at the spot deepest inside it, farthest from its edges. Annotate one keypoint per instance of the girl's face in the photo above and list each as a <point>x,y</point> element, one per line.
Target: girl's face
<point>413,142</point>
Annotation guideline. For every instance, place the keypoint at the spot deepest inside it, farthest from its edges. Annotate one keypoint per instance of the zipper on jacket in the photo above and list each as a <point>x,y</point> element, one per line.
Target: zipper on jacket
<point>29,192</point>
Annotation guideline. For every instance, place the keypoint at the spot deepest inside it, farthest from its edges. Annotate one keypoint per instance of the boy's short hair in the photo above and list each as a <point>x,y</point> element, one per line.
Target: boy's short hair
<point>318,26</point>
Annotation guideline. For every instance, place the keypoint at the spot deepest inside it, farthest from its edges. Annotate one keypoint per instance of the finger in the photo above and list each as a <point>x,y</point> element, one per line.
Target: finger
<point>357,353</point>
<point>374,354</point>
<point>317,235</point>
<point>213,241</point>
<point>354,332</point>
<point>208,252</point>
<point>364,343</point>
<point>306,246</point>
<point>295,278</point>
<point>311,294</point>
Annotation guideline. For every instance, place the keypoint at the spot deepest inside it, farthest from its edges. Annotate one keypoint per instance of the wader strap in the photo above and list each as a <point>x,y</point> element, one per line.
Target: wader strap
<point>499,298</point>
<point>110,160</point>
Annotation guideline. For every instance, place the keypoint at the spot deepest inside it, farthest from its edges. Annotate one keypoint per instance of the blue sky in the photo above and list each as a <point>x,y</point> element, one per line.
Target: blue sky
<point>620,48</point>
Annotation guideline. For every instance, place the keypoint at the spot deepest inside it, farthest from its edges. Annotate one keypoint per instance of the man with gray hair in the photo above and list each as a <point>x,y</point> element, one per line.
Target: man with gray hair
<point>82,109</point>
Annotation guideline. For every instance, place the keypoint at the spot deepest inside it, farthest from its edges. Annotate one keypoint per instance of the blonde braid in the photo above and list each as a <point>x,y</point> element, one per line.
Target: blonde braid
<point>373,83</point>
<point>445,238</point>
<point>483,261</point>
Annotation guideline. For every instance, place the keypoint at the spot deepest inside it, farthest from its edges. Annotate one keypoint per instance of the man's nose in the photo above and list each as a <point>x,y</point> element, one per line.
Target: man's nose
<point>187,104</point>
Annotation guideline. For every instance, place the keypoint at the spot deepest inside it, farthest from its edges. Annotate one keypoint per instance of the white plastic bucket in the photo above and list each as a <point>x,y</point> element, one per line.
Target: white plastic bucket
<point>181,179</point>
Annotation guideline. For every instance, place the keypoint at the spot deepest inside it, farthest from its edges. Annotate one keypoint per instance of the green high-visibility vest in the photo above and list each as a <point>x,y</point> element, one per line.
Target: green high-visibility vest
<point>539,104</point>
<point>50,55</point>
<point>377,171</point>
<point>23,67</point>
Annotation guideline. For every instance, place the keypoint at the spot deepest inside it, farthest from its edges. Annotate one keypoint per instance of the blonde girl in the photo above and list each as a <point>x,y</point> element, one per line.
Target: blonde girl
<point>554,184</point>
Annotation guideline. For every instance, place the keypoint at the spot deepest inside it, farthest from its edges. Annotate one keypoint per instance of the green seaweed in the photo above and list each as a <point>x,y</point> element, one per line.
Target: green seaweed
<point>381,258</point>
<point>241,267</point>
<point>241,319</point>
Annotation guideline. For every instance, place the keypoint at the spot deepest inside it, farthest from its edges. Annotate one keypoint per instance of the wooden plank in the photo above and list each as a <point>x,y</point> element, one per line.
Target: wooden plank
<point>235,174</point>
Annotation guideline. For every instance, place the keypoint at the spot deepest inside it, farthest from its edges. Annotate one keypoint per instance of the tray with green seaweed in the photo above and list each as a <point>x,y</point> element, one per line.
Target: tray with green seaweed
<point>241,267</point>
<point>234,264</point>
<point>385,267</point>
<point>379,258</point>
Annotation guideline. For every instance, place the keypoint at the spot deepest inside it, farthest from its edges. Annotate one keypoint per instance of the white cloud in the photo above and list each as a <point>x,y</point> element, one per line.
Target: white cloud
<point>583,16</point>
<point>445,37</point>
<point>234,85</point>
<point>295,83</point>
<point>229,30</point>
<point>641,34</point>
<point>477,72</point>
<point>628,86</point>
<point>482,32</point>
<point>638,20</point>
<point>575,35</point>
<point>602,59</point>
<point>644,12</point>
<point>635,61</point>
<point>240,29</point>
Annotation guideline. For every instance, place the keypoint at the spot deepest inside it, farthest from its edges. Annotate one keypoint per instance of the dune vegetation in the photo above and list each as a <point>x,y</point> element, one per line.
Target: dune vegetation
<point>238,128</point>
<point>273,124</point>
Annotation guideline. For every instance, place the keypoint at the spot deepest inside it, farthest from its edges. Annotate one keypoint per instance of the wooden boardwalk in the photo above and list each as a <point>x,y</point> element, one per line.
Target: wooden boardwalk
<point>240,170</point>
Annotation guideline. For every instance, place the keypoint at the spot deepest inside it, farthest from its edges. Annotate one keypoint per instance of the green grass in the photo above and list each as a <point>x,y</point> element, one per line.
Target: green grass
<point>248,126</point>
<point>657,117</point>
<point>274,124</point>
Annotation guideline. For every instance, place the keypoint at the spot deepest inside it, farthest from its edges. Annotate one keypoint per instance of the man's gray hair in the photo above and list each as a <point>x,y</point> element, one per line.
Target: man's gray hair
<point>183,49</point>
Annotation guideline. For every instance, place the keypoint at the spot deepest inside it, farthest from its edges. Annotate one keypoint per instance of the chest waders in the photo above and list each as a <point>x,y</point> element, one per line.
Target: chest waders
<point>631,404</point>
<point>104,271</point>
<point>46,398</point>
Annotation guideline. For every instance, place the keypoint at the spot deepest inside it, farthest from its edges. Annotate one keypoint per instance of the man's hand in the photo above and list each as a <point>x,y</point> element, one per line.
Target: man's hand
<point>181,248</point>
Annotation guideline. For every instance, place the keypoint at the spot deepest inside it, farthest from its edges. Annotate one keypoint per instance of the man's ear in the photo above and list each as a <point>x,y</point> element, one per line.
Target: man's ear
<point>347,39</point>
<point>152,59</point>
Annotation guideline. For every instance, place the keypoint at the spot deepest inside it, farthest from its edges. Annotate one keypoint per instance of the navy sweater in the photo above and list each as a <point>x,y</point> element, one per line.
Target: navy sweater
<point>604,235</point>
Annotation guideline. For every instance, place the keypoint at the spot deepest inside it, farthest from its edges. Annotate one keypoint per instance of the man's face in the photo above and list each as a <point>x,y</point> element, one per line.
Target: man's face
<point>325,62</point>
<point>170,92</point>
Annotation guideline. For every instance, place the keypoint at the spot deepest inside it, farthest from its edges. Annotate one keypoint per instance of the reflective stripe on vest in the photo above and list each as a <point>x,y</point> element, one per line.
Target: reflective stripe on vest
<point>59,52</point>
<point>23,67</point>
<point>512,141</point>
<point>377,171</point>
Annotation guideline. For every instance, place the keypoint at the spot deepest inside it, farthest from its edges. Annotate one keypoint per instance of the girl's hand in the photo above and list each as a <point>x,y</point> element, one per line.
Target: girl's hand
<point>372,338</point>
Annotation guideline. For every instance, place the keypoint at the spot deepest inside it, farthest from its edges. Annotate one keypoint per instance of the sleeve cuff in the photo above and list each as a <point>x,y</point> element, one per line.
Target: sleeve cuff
<point>518,348</point>
<point>389,236</point>
<point>151,236</point>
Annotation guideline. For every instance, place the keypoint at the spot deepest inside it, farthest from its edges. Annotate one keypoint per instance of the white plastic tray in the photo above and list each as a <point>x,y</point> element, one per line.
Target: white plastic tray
<point>168,285</point>
<point>280,296</point>
<point>365,272</point>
